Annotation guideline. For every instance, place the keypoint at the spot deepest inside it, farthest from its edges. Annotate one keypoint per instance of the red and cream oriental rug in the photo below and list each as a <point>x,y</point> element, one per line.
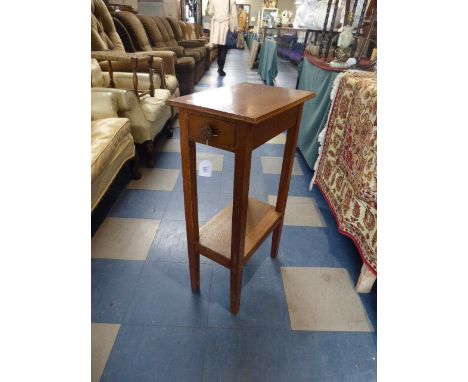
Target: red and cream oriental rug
<point>347,166</point>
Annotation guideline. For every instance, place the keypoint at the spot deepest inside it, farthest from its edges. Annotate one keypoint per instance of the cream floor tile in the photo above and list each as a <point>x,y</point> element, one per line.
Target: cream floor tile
<point>280,139</point>
<point>272,165</point>
<point>217,161</point>
<point>102,339</point>
<point>323,299</point>
<point>300,211</point>
<point>158,179</point>
<point>123,239</point>
<point>171,145</point>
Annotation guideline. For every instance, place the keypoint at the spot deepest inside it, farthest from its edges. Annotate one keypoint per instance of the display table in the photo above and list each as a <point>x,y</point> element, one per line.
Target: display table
<point>314,116</point>
<point>347,170</point>
<point>237,119</point>
<point>268,62</point>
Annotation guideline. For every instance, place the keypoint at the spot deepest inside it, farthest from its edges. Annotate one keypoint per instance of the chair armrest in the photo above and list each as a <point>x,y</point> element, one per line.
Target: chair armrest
<point>169,59</point>
<point>121,62</point>
<point>202,41</point>
<point>178,50</point>
<point>124,80</point>
<point>124,99</point>
<point>190,43</point>
<point>103,105</point>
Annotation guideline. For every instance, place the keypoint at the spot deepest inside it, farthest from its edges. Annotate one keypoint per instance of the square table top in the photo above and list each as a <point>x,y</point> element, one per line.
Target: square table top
<point>246,102</point>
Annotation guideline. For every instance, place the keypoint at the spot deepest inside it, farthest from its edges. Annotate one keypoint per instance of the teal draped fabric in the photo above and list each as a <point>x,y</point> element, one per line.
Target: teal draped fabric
<point>315,112</point>
<point>268,62</point>
<point>250,38</point>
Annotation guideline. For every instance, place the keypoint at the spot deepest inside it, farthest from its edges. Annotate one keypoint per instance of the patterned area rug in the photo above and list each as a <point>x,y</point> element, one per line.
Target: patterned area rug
<point>347,171</point>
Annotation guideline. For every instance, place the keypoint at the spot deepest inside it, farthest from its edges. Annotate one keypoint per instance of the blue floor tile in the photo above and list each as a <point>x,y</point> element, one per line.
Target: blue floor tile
<point>163,296</point>
<point>112,286</point>
<point>263,302</point>
<point>168,160</point>
<point>204,184</point>
<point>207,206</point>
<point>277,355</point>
<point>170,334</point>
<point>143,204</point>
<point>170,243</point>
<point>156,354</point>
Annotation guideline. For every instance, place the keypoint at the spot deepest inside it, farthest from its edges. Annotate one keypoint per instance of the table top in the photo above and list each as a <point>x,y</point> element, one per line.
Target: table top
<point>246,102</point>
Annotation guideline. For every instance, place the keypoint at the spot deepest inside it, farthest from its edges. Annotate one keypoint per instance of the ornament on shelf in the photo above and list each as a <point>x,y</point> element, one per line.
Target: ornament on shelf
<point>343,51</point>
<point>286,16</point>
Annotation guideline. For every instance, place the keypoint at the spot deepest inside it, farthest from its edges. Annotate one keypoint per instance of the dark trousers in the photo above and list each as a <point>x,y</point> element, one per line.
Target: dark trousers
<point>222,52</point>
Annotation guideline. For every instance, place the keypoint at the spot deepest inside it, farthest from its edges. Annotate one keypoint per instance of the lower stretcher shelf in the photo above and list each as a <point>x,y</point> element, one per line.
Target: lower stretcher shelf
<point>261,220</point>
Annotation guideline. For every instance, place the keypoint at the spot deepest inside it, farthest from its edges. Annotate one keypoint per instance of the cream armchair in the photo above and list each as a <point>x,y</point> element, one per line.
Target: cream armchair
<point>148,115</point>
<point>111,144</point>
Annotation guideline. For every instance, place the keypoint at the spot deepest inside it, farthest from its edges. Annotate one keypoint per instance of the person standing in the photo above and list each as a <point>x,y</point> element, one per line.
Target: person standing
<point>223,15</point>
<point>242,27</point>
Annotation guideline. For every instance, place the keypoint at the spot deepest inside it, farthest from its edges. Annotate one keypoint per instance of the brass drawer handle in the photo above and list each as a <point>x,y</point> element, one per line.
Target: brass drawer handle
<point>206,133</point>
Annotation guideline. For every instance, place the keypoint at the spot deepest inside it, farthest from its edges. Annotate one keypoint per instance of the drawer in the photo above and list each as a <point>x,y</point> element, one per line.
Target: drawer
<point>221,132</point>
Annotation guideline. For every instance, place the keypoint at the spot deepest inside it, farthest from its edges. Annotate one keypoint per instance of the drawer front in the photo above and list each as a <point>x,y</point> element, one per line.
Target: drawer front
<point>224,132</point>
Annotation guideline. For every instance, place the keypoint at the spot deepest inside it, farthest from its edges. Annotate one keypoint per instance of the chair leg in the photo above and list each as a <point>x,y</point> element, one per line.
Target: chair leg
<point>135,167</point>
<point>168,129</point>
<point>149,153</point>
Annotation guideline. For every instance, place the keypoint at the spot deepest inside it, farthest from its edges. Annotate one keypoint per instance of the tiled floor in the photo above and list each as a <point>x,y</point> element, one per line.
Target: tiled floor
<point>300,319</point>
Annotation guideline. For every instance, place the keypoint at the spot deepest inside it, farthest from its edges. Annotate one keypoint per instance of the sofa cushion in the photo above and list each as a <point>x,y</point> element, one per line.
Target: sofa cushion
<point>136,30</point>
<point>166,30</point>
<point>106,135</point>
<point>152,30</point>
<point>176,28</point>
<point>185,65</point>
<point>103,33</point>
<point>97,79</point>
<point>151,106</point>
<point>171,83</point>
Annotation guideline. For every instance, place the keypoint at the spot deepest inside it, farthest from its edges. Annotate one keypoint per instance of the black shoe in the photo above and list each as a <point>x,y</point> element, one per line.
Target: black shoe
<point>221,72</point>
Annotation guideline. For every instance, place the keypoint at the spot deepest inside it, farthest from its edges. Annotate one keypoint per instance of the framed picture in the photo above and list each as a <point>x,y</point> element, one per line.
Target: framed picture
<point>243,16</point>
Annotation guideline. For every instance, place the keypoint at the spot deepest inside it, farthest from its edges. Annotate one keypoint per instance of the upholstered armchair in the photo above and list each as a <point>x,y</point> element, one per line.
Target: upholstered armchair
<point>111,144</point>
<point>104,38</point>
<point>148,114</point>
<point>211,51</point>
<point>191,48</point>
<point>136,39</point>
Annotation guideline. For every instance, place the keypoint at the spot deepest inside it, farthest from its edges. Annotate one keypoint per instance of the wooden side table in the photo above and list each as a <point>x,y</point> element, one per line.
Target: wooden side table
<point>239,119</point>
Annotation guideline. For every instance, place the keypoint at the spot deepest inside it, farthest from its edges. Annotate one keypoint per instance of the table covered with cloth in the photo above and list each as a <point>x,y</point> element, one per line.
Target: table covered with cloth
<point>347,166</point>
<point>315,112</point>
<point>268,61</point>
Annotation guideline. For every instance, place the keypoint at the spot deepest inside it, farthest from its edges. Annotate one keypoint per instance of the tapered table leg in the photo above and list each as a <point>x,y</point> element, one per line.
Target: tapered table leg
<point>242,164</point>
<point>283,188</point>
<point>189,172</point>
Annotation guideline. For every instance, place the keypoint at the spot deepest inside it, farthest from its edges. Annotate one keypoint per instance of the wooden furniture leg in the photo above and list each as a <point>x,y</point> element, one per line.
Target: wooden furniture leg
<point>189,172</point>
<point>150,72</point>
<point>283,189</point>
<point>135,166</point>
<point>366,280</point>
<point>242,164</point>
<point>135,75</point>
<point>111,74</point>
<point>149,146</point>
